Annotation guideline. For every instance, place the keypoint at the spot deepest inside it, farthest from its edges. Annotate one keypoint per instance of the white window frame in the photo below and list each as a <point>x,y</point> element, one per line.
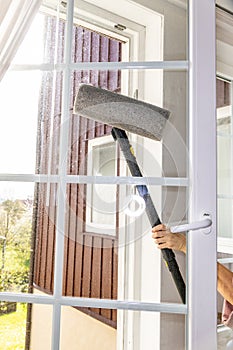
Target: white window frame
<point>95,227</point>
<point>202,293</point>
<point>201,314</point>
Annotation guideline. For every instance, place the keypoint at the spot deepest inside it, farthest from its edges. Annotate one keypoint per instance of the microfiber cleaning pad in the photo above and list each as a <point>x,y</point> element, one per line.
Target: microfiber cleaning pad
<point>121,111</point>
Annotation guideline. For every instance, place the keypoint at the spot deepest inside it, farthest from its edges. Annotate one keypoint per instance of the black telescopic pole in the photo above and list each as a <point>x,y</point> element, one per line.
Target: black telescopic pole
<point>168,255</point>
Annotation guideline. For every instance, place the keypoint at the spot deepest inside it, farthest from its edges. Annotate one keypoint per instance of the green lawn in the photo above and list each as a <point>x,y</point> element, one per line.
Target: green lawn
<point>12,329</point>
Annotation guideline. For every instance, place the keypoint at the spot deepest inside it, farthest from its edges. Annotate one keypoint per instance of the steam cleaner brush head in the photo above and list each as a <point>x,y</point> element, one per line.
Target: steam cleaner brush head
<point>121,111</point>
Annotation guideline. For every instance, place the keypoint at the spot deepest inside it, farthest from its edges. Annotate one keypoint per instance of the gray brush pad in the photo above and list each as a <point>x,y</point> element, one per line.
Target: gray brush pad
<point>121,111</point>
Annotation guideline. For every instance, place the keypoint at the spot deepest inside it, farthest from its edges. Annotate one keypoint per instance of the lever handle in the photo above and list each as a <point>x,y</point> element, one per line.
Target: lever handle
<point>205,223</point>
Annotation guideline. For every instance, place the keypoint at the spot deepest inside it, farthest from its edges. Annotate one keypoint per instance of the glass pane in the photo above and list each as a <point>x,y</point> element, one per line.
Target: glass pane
<point>99,262</point>
<point>48,31</point>
<point>158,91</point>
<point>225,218</point>
<point>25,326</point>
<point>13,318</point>
<point>120,31</point>
<point>40,150</point>
<point>224,164</point>
<point>27,221</point>
<point>22,191</point>
<point>44,230</point>
<point>142,330</point>
<point>16,220</point>
<point>19,92</point>
<point>100,335</point>
<point>25,54</point>
<point>30,129</point>
<point>41,326</point>
<point>161,29</point>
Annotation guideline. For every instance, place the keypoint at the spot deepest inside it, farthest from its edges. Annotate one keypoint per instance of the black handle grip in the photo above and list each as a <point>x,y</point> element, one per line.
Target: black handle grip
<point>168,255</point>
<point>170,260</point>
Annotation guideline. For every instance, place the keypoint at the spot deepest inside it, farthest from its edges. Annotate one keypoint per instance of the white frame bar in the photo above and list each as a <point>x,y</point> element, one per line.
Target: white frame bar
<point>83,179</point>
<point>202,286</point>
<point>225,260</point>
<point>166,65</point>
<point>92,302</point>
<point>61,208</point>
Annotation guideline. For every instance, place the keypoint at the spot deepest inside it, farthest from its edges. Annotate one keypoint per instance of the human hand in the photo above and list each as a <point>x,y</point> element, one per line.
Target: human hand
<point>164,238</point>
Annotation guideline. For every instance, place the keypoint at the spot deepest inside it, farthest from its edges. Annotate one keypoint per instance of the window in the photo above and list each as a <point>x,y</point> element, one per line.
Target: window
<point>114,278</point>
<point>102,199</point>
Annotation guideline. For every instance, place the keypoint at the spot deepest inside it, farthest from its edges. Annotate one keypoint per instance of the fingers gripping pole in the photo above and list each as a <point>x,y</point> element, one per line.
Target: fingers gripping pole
<point>168,255</point>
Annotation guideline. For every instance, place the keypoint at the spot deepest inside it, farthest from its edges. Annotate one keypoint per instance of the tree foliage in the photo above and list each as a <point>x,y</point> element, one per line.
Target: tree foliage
<point>15,232</point>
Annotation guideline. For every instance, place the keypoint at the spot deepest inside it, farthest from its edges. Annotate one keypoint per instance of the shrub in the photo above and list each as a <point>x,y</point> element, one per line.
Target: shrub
<point>14,281</point>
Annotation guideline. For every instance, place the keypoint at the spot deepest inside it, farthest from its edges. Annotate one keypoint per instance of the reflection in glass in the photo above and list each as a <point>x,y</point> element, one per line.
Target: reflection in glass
<point>101,199</point>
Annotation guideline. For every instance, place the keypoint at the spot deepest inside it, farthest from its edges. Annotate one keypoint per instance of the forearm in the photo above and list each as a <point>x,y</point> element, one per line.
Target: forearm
<point>165,239</point>
<point>224,279</point>
<point>225,282</point>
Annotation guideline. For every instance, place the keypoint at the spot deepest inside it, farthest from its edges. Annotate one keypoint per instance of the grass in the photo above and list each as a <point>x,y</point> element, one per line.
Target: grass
<point>12,329</point>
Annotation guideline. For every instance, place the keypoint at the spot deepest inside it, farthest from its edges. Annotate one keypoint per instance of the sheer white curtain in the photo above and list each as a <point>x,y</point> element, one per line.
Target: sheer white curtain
<point>15,19</point>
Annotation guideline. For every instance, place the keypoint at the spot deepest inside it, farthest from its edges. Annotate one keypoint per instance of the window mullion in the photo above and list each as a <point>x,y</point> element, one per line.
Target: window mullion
<point>86,179</point>
<point>167,65</point>
<point>61,193</point>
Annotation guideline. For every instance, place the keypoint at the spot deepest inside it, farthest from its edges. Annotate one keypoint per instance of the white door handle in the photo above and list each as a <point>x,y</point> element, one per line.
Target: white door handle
<point>205,223</point>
